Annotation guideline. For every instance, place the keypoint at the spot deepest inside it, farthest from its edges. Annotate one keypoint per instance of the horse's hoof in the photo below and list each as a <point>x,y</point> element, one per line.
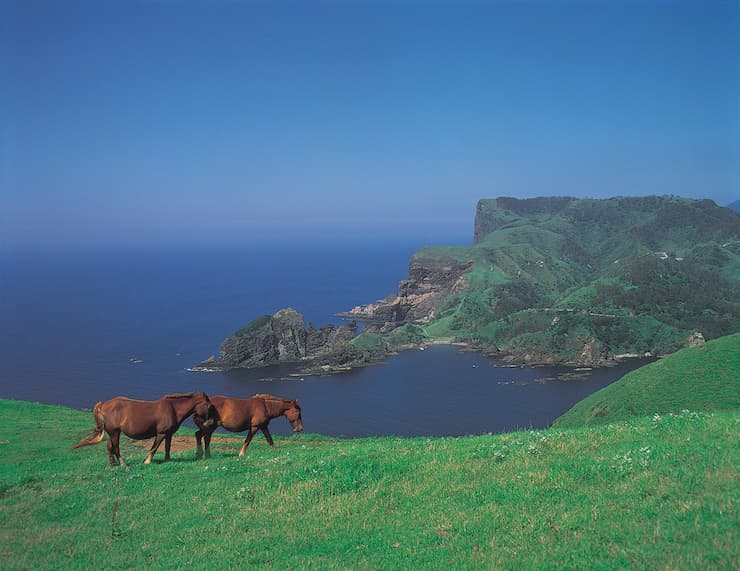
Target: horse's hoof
<point>148,461</point>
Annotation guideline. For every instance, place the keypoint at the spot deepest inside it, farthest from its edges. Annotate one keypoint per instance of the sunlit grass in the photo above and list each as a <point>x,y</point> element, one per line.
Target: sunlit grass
<point>652,492</point>
<point>706,377</point>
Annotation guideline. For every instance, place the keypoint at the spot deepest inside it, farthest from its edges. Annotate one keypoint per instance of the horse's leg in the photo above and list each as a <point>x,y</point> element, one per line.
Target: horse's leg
<point>247,440</point>
<point>157,442</point>
<point>268,436</point>
<point>167,446</point>
<point>208,443</point>
<point>115,440</point>
<point>198,438</point>
<point>111,455</point>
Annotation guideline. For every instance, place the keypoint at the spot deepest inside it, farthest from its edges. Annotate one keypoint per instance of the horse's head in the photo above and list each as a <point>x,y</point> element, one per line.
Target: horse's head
<point>205,414</point>
<point>293,414</point>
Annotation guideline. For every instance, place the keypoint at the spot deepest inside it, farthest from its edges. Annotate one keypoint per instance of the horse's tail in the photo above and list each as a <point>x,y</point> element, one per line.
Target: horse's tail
<point>98,433</point>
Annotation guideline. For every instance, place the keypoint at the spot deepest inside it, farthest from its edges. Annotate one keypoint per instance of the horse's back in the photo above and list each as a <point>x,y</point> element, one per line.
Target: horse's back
<point>237,414</point>
<point>138,419</point>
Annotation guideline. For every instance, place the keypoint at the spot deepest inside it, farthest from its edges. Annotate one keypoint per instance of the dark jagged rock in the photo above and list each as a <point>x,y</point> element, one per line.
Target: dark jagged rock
<point>266,340</point>
<point>283,338</point>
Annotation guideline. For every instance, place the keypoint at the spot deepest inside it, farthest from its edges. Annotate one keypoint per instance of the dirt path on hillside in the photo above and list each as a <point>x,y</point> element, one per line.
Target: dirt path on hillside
<point>184,443</point>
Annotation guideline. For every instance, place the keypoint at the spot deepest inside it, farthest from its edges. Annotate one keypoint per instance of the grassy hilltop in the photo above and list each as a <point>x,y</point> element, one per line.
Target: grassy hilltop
<point>649,492</point>
<point>578,280</point>
<point>706,377</point>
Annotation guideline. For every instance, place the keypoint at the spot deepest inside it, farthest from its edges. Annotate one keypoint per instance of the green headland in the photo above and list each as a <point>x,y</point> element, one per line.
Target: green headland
<point>546,280</point>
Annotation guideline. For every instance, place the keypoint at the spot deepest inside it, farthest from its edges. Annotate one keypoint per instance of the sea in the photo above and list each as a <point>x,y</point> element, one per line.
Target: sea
<point>86,323</point>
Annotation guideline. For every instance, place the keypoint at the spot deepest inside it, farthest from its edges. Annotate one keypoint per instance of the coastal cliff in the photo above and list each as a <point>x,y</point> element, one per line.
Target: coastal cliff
<point>553,280</point>
<point>560,280</point>
<point>419,295</point>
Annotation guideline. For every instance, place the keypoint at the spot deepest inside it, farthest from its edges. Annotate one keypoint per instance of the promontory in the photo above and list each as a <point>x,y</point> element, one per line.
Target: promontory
<point>553,280</point>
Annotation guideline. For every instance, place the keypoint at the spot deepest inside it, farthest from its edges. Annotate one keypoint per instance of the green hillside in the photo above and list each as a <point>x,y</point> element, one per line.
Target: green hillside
<point>552,280</point>
<point>698,378</point>
<point>578,280</point>
<point>647,493</point>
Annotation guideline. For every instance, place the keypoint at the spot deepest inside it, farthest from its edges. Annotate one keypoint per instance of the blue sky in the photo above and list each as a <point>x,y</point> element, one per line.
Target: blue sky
<point>164,120</point>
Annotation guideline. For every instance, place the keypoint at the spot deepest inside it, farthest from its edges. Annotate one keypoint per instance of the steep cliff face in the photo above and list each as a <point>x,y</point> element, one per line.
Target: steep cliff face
<point>429,281</point>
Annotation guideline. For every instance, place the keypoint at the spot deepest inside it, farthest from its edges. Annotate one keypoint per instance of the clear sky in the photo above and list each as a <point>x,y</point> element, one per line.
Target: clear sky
<point>167,120</point>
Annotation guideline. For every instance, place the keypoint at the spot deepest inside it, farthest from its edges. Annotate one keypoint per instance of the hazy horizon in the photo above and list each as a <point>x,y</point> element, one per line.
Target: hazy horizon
<point>161,122</point>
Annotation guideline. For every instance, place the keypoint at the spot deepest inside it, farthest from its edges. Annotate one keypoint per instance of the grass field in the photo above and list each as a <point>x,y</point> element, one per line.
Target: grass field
<point>655,492</point>
<point>706,377</point>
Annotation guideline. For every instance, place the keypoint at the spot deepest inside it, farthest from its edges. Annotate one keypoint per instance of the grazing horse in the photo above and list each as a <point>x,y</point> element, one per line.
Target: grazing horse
<point>142,419</point>
<point>252,414</point>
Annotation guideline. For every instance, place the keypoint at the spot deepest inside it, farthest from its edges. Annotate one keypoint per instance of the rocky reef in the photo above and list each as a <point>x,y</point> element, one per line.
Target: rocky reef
<point>284,338</point>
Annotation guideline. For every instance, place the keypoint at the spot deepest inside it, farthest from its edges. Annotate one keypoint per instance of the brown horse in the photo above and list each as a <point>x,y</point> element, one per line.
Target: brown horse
<point>142,419</point>
<point>252,414</point>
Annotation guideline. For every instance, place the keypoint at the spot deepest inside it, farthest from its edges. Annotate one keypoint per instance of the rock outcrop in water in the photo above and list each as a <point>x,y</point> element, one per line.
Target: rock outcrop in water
<point>284,338</point>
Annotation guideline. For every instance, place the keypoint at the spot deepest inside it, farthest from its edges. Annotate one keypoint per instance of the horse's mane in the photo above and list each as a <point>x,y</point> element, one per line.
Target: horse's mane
<point>265,396</point>
<point>179,396</point>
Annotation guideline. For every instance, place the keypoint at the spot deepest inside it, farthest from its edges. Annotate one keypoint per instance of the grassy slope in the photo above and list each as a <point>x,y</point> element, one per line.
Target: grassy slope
<point>595,257</point>
<point>629,495</point>
<point>706,377</point>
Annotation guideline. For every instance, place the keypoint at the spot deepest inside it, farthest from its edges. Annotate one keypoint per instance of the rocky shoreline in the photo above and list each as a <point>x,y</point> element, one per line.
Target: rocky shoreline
<point>284,339</point>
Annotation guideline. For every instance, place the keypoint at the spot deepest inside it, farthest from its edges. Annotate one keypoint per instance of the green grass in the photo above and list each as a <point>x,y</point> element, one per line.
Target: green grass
<point>368,342</point>
<point>407,334</point>
<point>436,253</point>
<point>440,328</point>
<point>640,494</point>
<point>706,377</point>
<point>254,325</point>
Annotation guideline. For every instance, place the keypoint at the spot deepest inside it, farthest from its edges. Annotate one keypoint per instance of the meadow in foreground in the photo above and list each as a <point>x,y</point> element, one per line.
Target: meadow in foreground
<point>654,492</point>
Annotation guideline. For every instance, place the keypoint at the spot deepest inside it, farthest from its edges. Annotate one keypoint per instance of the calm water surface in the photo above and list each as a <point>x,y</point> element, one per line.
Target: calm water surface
<point>73,320</point>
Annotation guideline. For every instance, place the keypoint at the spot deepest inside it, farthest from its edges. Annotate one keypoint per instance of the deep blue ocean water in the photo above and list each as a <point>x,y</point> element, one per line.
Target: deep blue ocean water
<point>74,320</point>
